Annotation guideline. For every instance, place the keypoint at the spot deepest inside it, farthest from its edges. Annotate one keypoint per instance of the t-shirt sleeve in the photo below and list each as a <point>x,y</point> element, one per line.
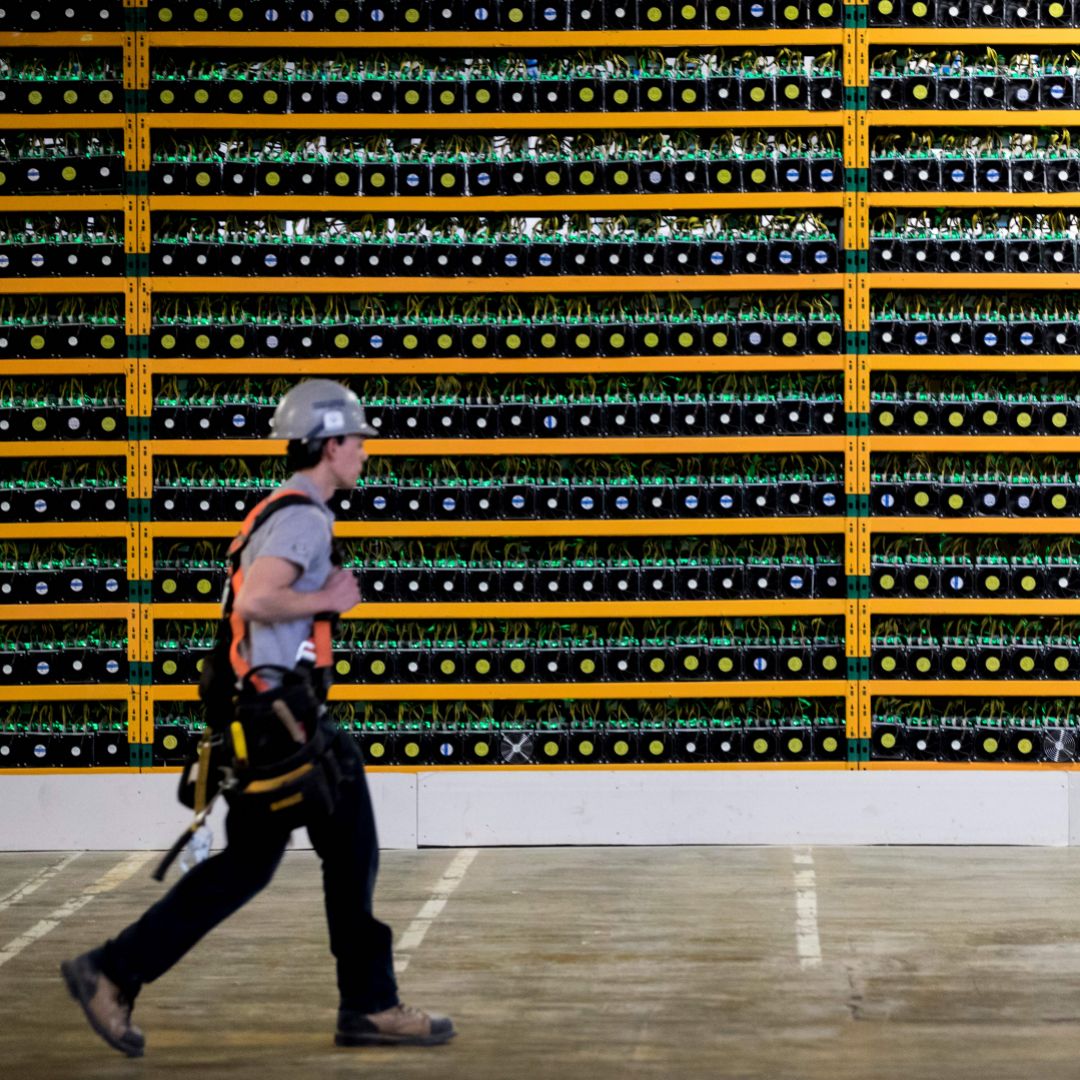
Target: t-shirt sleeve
<point>300,534</point>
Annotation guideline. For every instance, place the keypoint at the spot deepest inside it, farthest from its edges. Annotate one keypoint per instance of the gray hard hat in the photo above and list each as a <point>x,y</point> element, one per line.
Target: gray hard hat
<point>319,409</point>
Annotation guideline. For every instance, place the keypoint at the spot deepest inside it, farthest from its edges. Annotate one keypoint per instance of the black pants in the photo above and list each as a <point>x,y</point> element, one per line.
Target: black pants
<point>213,890</point>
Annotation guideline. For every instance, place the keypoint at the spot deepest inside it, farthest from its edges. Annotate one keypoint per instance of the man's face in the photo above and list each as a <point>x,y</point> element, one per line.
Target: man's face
<point>348,461</point>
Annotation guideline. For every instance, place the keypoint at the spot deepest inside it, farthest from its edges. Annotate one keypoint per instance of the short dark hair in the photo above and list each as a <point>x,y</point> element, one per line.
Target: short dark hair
<point>306,455</point>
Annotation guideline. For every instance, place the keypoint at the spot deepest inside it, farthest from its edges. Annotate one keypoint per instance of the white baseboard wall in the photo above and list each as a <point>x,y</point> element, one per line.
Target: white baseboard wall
<point>66,812</point>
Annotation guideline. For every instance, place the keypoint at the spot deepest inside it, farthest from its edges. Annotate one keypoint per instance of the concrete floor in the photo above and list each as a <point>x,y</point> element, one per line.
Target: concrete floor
<point>598,963</point>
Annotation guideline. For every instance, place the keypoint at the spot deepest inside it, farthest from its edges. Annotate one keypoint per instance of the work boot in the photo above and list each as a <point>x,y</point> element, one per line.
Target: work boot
<point>107,1008</point>
<point>402,1025</point>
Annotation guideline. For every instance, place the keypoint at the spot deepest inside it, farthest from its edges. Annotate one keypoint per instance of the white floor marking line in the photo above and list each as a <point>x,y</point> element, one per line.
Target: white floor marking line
<point>106,883</point>
<point>32,884</point>
<point>807,941</point>
<point>444,887</point>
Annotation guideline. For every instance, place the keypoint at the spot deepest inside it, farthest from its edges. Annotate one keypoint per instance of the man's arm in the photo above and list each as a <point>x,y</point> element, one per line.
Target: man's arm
<point>268,596</point>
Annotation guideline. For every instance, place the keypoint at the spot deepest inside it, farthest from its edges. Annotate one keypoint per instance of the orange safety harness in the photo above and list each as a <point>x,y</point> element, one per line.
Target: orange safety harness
<point>320,641</point>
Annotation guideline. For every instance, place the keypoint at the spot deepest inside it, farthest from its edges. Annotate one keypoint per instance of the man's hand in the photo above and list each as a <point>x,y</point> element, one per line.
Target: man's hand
<point>340,592</point>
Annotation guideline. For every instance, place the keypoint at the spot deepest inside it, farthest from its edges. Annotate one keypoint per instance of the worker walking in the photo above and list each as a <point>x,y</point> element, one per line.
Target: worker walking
<point>279,760</point>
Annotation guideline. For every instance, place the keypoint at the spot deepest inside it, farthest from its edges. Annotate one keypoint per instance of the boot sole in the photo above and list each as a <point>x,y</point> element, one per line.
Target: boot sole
<point>77,990</point>
<point>376,1039</point>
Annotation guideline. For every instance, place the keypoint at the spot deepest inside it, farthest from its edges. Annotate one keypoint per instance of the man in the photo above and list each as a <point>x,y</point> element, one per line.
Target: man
<point>286,580</point>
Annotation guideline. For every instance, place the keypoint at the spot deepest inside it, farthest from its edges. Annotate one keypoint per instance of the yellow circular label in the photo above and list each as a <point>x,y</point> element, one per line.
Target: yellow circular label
<point>202,179</point>
<point>1061,663</point>
<point>725,663</point>
<point>1059,420</point>
<point>169,667</point>
<point>959,663</point>
<point>342,667</point>
<point>551,748</point>
<point>723,13</point>
<point>993,583</point>
<point>789,339</point>
<point>888,663</point>
<point>921,498</point>
<point>34,97</point>
<point>653,14</point>
<point>794,663</point>
<point>885,7</point>
<point>551,177</point>
<point>481,749</point>
<point>656,664</point>
<point>70,97</point>
<point>517,666</point>
<point>166,97</point>
<point>478,341</point>
<point>585,747</point>
<point>516,15</point>
<point>547,340</point>
<point>412,749</point>
<point>342,178</point>
<point>956,419</point>
<point>617,340</point>
<point>654,93</point>
<point>887,581</point>
<point>824,337</point>
<point>376,750</point>
<point>412,97</point>
<point>483,667</point>
<point>483,96</point>
<point>723,176</point>
<point>3,178</point>
<point>342,15</point>
<point>1027,663</point>
<point>1057,10</point>
<point>586,93</point>
<point>170,742</point>
<point>378,667</point>
<point>993,663</point>
<point>165,15</point>
<point>341,340</point>
<point>1027,583</point>
<point>990,745</point>
<point>37,342</point>
<point>919,91</point>
<point>622,177</point>
<point>444,341</point>
<point>791,13</point>
<point>586,177</point>
<point>829,663</point>
<point>38,423</point>
<point>829,744</point>
<point>582,340</point>
<point>689,95</point>
<point>688,11</point>
<point>656,747</point>
<point>447,667</point>
<point>761,746</point>
<point>447,97</point>
<point>1023,420</point>
<point>621,748</point>
<point>513,341</point>
<point>888,740</point>
<point>921,418</point>
<point>720,339</point>
<point>588,666</point>
<point>236,341</point>
<point>691,663</point>
<point>795,745</point>
<point>956,501</point>
<point>919,10</point>
<point>201,15</point>
<point>412,15</point>
<point>757,175</point>
<point>375,179</point>
<point>202,96</point>
<point>1058,501</point>
<point>791,91</point>
<point>107,341</point>
<point>68,172</point>
<point>825,11</point>
<point>620,97</point>
<point>652,340</point>
<point>168,586</point>
<point>447,180</point>
<point>236,96</point>
<point>685,339</point>
<point>204,585</point>
<point>1025,746</point>
<point>410,341</point>
<point>168,341</point>
<point>236,14</point>
<point>757,94</point>
<point>922,581</point>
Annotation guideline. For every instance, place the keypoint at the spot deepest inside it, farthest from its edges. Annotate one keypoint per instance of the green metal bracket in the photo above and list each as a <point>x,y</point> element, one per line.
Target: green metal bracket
<point>856,97</point>
<point>856,262</point>
<point>137,182</point>
<point>139,593</point>
<point>140,755</point>
<point>136,264</point>
<point>856,179</point>
<point>138,509</point>
<point>857,423</point>
<point>858,668</point>
<point>857,342</point>
<point>136,101</point>
<point>138,346</point>
<point>858,586</point>
<point>138,427</point>
<point>858,506</point>
<point>856,16</point>
<point>142,671</point>
<point>858,750</point>
<point>136,18</point>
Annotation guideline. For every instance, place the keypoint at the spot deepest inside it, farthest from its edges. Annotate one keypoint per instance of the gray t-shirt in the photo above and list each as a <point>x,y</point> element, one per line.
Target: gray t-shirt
<point>303,535</point>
